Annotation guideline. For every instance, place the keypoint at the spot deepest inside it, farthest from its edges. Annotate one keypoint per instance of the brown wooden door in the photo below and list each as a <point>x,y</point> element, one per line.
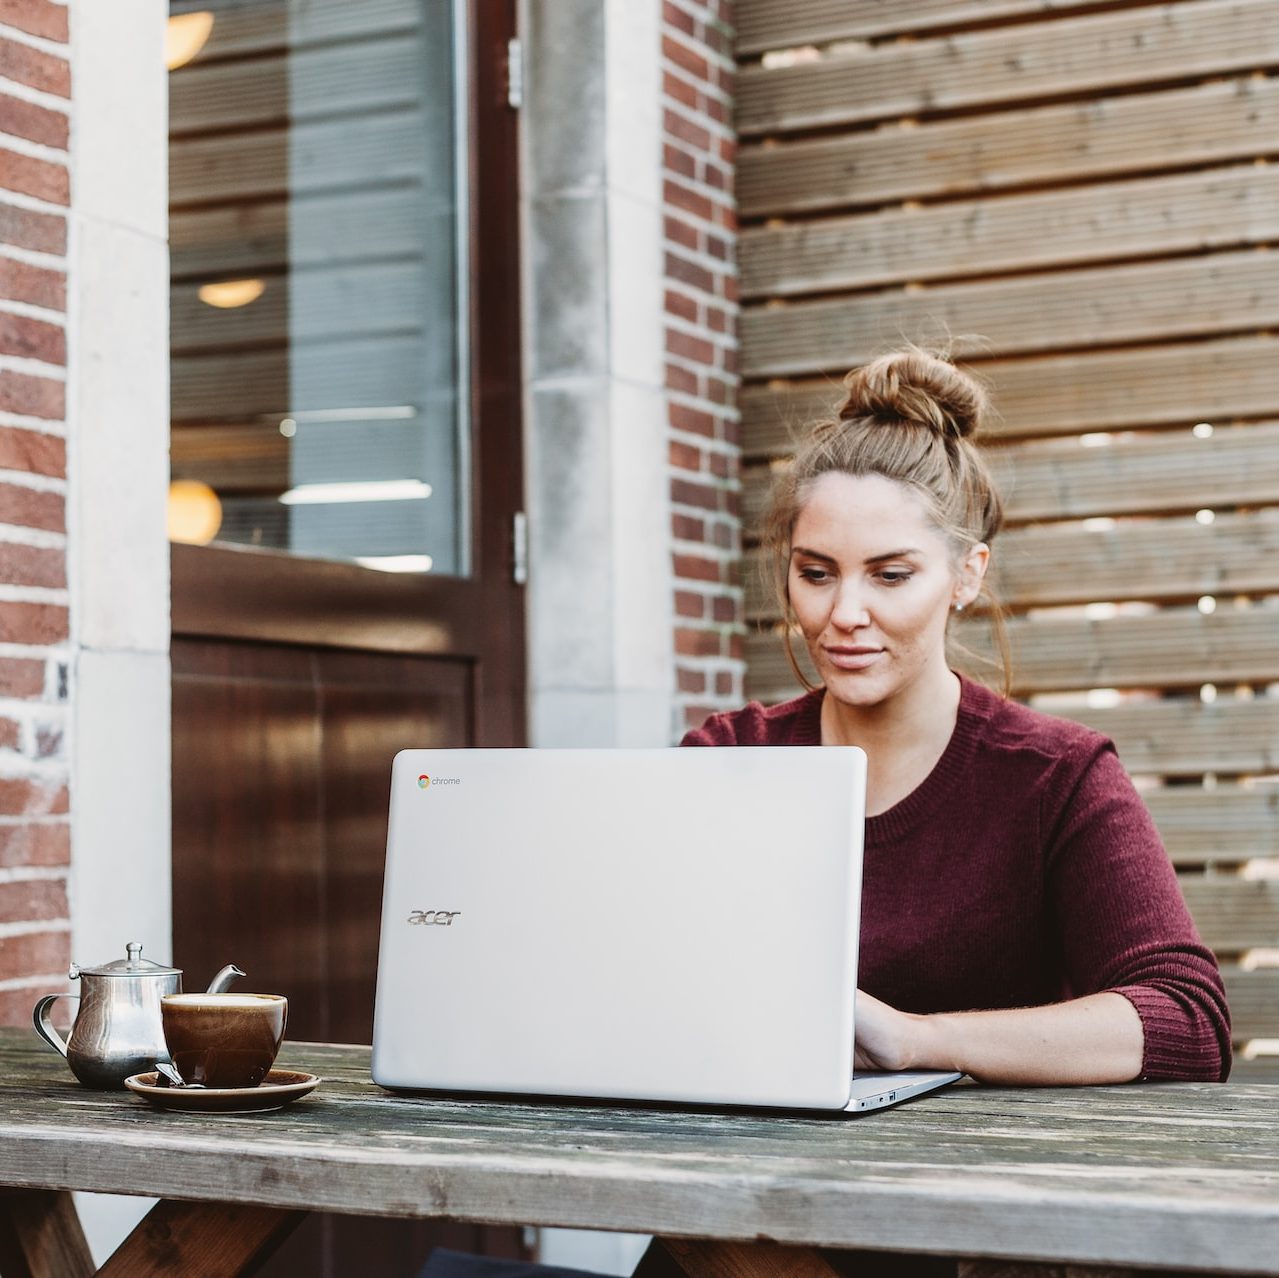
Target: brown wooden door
<point>295,682</point>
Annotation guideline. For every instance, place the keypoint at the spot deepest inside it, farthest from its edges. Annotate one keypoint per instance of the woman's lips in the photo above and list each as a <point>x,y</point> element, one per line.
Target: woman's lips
<point>853,658</point>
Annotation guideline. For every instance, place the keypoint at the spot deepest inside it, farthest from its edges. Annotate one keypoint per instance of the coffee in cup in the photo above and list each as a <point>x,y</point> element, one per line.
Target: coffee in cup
<point>224,1040</point>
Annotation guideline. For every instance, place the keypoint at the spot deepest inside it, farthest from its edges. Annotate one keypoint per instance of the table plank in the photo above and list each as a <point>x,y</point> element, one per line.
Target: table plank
<point>1180,1175</point>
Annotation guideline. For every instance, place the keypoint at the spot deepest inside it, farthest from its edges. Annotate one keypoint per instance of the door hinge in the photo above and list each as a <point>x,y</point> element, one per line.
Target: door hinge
<point>519,537</point>
<point>514,73</point>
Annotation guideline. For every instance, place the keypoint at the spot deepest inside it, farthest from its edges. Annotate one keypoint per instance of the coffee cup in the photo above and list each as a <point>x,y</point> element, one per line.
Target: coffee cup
<point>223,1040</point>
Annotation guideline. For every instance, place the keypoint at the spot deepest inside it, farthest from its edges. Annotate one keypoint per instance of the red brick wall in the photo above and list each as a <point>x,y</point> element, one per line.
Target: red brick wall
<point>35,845</point>
<point>701,353</point>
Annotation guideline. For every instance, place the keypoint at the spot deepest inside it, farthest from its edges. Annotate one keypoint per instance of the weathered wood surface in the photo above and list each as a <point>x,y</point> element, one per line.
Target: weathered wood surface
<point>1209,123</point>
<point>1182,1174</point>
<point>771,24</point>
<point>1180,383</point>
<point>1030,314</point>
<point>1190,39</point>
<point>1159,560</point>
<point>1171,648</point>
<point>1222,208</point>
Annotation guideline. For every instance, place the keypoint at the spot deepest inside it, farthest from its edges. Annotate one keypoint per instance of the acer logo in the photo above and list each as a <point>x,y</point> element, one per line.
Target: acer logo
<point>441,918</point>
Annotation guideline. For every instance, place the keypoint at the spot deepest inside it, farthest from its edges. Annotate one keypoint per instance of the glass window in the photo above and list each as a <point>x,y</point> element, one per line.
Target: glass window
<point>318,232</point>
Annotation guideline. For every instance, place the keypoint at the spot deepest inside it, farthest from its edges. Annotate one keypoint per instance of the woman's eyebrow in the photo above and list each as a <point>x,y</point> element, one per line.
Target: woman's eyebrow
<point>892,554</point>
<point>811,554</point>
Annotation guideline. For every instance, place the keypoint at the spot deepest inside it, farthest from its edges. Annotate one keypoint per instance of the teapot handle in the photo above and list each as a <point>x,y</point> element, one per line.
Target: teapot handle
<point>40,1019</point>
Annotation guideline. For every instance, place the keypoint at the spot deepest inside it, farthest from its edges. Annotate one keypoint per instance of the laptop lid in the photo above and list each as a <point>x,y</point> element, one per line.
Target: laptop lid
<point>669,925</point>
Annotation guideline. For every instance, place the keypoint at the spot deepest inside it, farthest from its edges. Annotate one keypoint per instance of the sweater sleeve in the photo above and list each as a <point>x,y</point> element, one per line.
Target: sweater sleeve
<point>1123,923</point>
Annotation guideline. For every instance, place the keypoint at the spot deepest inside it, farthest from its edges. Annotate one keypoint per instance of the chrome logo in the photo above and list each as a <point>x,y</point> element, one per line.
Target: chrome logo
<point>423,781</point>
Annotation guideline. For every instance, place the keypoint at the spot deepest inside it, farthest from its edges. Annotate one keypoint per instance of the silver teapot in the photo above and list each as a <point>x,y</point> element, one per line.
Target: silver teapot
<point>117,1030</point>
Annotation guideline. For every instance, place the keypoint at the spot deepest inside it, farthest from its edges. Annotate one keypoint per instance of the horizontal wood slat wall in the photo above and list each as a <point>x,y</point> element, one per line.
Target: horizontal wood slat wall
<point>1077,200</point>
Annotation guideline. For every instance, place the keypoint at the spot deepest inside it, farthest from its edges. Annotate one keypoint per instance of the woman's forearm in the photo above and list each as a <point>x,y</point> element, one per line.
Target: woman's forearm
<point>1096,1039</point>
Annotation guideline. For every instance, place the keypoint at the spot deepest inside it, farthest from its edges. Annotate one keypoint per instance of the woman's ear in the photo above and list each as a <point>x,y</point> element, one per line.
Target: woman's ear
<point>972,573</point>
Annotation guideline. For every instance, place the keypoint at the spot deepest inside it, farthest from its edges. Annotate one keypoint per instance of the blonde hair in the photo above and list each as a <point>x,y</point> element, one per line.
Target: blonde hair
<point>910,417</point>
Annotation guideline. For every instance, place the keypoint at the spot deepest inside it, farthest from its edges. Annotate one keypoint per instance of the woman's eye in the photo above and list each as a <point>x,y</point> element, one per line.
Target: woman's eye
<point>814,574</point>
<point>895,576</point>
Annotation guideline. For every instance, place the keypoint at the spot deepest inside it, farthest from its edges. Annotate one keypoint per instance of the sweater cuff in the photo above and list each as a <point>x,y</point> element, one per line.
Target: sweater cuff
<point>1179,1045</point>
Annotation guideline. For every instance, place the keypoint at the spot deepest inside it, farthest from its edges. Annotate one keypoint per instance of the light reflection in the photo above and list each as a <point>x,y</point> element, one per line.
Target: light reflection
<point>184,36</point>
<point>228,294</point>
<point>396,563</point>
<point>372,490</point>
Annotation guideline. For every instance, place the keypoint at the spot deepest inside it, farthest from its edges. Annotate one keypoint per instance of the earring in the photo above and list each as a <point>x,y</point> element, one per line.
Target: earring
<point>959,606</point>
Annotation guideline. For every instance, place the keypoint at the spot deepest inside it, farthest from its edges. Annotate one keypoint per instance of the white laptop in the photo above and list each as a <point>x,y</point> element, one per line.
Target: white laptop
<point>672,925</point>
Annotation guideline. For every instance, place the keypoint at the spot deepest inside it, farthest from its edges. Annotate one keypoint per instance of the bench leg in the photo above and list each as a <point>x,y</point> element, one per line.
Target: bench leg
<point>40,1235</point>
<point>201,1240</point>
<point>689,1258</point>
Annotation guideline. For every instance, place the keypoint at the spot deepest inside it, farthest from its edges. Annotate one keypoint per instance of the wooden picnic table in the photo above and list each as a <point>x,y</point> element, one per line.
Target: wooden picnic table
<point>1182,1176</point>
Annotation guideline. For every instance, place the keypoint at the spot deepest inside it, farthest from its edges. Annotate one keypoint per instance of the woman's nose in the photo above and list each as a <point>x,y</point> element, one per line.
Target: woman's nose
<point>850,609</point>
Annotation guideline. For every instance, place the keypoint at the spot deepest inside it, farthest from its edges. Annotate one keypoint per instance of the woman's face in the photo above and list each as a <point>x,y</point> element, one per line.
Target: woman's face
<point>872,582</point>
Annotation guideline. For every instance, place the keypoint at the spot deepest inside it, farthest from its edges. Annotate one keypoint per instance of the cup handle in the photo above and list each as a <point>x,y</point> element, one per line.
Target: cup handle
<point>40,1019</point>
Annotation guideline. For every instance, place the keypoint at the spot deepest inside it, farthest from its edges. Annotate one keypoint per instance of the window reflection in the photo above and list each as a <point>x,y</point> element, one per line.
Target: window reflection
<point>316,225</point>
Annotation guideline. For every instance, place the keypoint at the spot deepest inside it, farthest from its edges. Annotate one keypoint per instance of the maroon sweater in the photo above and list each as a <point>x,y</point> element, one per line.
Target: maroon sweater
<point>1024,870</point>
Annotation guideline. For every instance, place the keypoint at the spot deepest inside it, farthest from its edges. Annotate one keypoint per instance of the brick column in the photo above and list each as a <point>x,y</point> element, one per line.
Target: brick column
<point>35,87</point>
<point>700,226</point>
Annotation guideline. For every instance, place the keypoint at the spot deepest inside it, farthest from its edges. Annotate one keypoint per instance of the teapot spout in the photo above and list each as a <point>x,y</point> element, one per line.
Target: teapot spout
<point>223,980</point>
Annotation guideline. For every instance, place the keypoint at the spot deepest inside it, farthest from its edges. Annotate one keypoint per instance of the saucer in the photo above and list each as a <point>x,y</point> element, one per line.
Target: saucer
<point>279,1088</point>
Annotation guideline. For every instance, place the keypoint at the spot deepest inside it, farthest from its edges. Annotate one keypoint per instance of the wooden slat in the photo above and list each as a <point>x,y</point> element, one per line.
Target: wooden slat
<point>305,306</point>
<point>1236,466</point>
<point>1150,301</point>
<point>1160,559</point>
<point>258,28</point>
<point>1230,823</point>
<point>365,75</point>
<point>1207,124</point>
<point>348,154</point>
<point>1234,914</point>
<point>1075,55</point>
<point>1254,1002</point>
<point>1176,647</point>
<point>237,458</point>
<point>1145,560</point>
<point>1187,735</point>
<point>325,230</point>
<point>781,24</point>
<point>375,371</point>
<point>1216,209</point>
<point>1262,1069</point>
<point>1054,395</point>
<point>1177,471</point>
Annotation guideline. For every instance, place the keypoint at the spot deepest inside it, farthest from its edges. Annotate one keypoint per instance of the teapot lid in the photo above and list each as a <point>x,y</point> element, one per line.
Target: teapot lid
<point>133,965</point>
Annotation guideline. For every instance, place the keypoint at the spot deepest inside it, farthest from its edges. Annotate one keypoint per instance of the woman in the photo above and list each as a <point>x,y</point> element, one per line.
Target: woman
<point>1020,919</point>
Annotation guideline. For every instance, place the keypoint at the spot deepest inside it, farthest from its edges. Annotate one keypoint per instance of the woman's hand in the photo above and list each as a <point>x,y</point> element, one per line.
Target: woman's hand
<point>886,1038</point>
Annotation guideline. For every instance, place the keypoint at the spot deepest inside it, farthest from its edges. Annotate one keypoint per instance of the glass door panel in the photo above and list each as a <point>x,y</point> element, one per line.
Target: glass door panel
<point>318,216</point>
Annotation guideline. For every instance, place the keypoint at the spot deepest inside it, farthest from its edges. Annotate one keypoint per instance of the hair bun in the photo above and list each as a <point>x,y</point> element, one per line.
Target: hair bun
<point>913,386</point>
